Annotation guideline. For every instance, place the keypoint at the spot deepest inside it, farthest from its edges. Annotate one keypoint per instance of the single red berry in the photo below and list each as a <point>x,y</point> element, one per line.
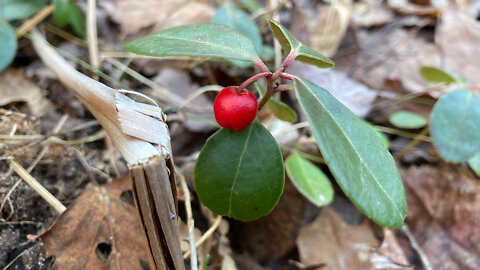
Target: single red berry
<point>233,109</point>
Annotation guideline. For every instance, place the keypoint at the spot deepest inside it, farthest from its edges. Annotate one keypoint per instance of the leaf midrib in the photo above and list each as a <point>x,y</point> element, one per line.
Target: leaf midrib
<point>359,156</point>
<point>238,170</point>
<point>213,45</point>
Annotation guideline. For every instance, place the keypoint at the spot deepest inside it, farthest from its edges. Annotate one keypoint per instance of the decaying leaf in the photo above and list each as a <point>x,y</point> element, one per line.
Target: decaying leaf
<point>390,255</point>
<point>444,211</point>
<point>100,230</point>
<point>356,96</point>
<point>161,14</point>
<point>332,241</point>
<point>14,87</point>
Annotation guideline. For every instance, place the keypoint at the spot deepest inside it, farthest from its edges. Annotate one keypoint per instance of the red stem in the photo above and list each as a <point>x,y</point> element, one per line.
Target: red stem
<point>261,65</point>
<point>290,57</point>
<point>252,79</point>
<point>286,76</point>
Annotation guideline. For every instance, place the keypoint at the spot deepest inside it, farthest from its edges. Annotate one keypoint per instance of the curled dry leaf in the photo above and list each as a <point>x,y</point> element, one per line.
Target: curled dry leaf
<point>14,87</point>
<point>100,230</point>
<point>332,241</point>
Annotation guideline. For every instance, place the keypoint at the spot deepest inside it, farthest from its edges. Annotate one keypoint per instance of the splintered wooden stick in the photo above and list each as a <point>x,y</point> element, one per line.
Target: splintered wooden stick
<point>140,133</point>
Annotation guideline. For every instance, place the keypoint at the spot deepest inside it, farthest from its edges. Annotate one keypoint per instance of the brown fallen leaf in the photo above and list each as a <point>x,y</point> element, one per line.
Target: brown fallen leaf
<point>370,13</point>
<point>14,87</point>
<point>269,238</point>
<point>390,255</point>
<point>444,211</point>
<point>332,241</point>
<point>160,14</point>
<point>100,230</point>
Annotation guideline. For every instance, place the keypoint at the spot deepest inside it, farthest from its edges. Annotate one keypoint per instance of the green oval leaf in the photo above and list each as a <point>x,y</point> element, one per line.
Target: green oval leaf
<point>60,13</point>
<point>436,75</point>
<point>455,125</point>
<point>200,40</point>
<point>303,53</point>
<point>381,135</point>
<point>77,19</point>
<point>361,164</point>
<point>236,18</point>
<point>309,180</point>
<point>407,120</point>
<point>19,9</point>
<point>281,110</point>
<point>240,173</point>
<point>474,163</point>
<point>9,45</point>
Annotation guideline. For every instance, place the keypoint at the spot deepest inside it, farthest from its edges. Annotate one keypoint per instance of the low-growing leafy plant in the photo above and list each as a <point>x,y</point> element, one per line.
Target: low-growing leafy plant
<point>240,172</point>
<point>455,119</point>
<point>65,11</point>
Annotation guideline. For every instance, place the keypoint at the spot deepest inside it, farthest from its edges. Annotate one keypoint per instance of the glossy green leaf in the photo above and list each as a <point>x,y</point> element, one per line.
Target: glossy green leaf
<point>455,125</point>
<point>77,20</point>
<point>60,13</point>
<point>407,120</point>
<point>309,180</point>
<point>251,5</point>
<point>240,174</point>
<point>361,164</point>
<point>436,75</point>
<point>200,40</point>
<point>8,47</point>
<point>381,135</point>
<point>304,54</point>
<point>474,163</point>
<point>281,110</point>
<point>241,21</point>
<point>19,9</point>
<point>267,53</point>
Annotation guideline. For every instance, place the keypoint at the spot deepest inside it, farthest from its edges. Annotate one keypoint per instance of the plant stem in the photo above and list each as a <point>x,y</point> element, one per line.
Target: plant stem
<point>268,93</point>
<point>261,65</point>
<point>252,79</point>
<point>286,76</point>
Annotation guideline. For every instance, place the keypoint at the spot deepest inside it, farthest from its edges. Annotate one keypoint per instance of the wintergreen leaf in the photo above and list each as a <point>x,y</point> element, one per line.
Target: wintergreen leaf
<point>236,18</point>
<point>474,163</point>
<point>77,19</point>
<point>407,120</point>
<point>436,75</point>
<point>309,180</point>
<point>8,45</point>
<point>380,134</point>
<point>304,54</point>
<point>455,125</point>
<point>361,164</point>
<point>60,13</point>
<point>240,174</point>
<point>200,40</point>
<point>267,53</point>
<point>19,9</point>
<point>281,110</point>
<point>251,5</point>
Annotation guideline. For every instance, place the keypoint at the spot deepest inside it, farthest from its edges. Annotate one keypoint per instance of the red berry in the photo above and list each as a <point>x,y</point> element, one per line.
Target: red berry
<point>235,110</point>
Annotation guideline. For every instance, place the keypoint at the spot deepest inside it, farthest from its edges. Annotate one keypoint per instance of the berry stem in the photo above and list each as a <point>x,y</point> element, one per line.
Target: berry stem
<point>261,65</point>
<point>252,79</point>
<point>278,74</point>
